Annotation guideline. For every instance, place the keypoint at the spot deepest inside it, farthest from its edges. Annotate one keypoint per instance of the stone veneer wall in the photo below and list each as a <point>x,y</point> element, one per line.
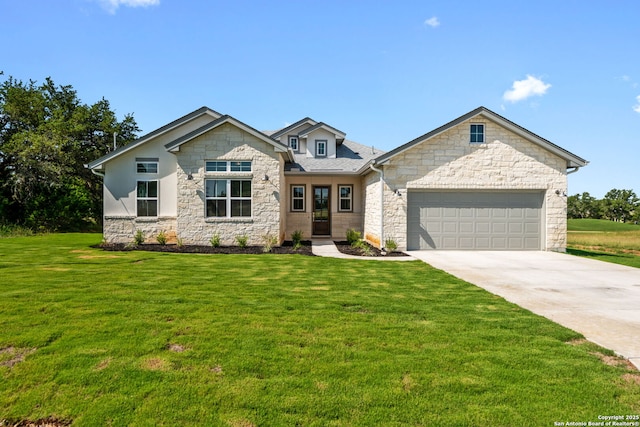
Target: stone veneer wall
<point>228,142</point>
<point>449,162</point>
<point>119,229</point>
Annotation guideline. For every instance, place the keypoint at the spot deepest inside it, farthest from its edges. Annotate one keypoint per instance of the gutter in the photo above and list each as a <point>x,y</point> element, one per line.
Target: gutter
<point>381,172</point>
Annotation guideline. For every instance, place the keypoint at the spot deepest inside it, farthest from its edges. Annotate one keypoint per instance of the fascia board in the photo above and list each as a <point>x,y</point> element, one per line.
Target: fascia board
<point>97,164</point>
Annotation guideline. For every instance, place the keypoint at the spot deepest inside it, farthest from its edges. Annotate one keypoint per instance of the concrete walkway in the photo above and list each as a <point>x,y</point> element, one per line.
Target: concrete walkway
<point>598,299</point>
<point>326,248</point>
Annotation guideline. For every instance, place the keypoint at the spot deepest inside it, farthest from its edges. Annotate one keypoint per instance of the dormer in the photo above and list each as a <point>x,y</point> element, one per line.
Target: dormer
<point>314,139</point>
<point>321,140</point>
<point>289,135</point>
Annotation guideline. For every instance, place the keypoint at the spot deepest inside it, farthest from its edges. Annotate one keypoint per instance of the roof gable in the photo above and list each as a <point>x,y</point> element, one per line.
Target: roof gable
<point>97,164</point>
<point>571,159</point>
<point>175,144</point>
<point>339,134</point>
<point>306,121</point>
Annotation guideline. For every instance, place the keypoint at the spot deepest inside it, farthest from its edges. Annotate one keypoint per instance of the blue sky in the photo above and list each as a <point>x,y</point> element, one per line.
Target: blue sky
<point>384,72</point>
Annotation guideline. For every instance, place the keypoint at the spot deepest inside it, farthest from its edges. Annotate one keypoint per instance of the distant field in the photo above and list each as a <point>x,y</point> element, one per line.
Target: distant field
<point>600,225</point>
<point>605,240</point>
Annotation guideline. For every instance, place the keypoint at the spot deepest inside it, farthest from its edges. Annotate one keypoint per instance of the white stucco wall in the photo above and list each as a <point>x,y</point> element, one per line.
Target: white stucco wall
<point>448,161</point>
<point>119,188</point>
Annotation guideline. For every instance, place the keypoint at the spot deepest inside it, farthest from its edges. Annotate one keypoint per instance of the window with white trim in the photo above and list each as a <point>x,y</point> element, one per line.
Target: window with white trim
<point>345,195</point>
<point>297,198</point>
<point>227,166</point>
<point>477,133</point>
<point>293,143</point>
<point>321,148</point>
<point>147,198</point>
<point>228,198</point>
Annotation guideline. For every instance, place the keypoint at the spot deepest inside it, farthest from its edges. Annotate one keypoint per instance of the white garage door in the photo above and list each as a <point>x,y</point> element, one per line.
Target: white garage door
<point>474,220</point>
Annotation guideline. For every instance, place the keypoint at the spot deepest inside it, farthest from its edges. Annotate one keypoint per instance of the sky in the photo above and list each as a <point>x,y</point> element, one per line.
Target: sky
<point>383,72</point>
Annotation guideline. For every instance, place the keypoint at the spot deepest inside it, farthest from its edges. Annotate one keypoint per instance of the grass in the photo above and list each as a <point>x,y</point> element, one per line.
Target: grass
<point>605,240</point>
<point>141,338</point>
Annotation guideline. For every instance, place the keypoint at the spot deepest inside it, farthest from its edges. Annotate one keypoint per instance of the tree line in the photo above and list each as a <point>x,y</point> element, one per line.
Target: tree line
<point>47,135</point>
<point>617,205</point>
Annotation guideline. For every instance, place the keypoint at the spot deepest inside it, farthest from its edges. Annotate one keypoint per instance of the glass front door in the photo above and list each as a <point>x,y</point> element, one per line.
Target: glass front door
<point>321,211</point>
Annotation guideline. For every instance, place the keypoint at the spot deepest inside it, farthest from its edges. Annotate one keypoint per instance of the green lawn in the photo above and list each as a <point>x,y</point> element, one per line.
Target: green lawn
<point>149,339</point>
<point>605,240</point>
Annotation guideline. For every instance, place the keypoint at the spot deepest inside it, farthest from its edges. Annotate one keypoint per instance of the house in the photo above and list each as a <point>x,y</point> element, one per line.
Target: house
<point>477,182</point>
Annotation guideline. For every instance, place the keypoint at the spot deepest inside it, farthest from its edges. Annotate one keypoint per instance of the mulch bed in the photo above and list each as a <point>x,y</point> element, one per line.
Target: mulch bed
<point>346,248</point>
<point>286,248</point>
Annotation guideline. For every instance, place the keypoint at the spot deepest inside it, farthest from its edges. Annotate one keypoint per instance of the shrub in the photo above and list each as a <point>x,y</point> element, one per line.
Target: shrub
<point>269,242</point>
<point>364,247</point>
<point>390,245</point>
<point>162,238</point>
<point>179,242</point>
<point>242,240</point>
<point>138,238</point>
<point>353,236</point>
<point>296,238</point>
<point>215,240</point>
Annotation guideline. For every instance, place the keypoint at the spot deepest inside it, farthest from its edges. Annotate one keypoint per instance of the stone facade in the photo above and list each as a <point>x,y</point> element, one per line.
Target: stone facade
<point>448,161</point>
<point>228,142</point>
<point>118,229</point>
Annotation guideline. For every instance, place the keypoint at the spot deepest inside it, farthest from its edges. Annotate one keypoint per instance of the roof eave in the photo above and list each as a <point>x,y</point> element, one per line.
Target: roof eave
<point>97,164</point>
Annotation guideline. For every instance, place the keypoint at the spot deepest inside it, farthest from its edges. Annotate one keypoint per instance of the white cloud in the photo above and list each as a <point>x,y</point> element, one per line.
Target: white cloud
<point>523,89</point>
<point>432,22</point>
<point>112,5</point>
<point>636,107</point>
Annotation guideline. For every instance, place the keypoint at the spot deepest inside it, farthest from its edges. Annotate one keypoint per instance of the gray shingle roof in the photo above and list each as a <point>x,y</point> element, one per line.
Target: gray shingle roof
<point>350,158</point>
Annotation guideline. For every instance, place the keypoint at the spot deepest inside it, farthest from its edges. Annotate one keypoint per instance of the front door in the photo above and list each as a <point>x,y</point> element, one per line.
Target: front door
<point>321,211</point>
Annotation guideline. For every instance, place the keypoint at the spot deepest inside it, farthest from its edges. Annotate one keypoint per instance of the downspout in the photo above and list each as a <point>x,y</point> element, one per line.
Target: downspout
<point>574,170</point>
<point>381,172</point>
<point>95,172</point>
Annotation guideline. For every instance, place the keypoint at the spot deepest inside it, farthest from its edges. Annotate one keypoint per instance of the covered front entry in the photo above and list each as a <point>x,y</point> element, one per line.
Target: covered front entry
<point>478,220</point>
<point>321,211</point>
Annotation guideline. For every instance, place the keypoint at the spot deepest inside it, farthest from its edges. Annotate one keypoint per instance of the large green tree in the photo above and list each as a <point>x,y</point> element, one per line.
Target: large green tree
<point>583,206</point>
<point>47,135</point>
<point>620,205</point>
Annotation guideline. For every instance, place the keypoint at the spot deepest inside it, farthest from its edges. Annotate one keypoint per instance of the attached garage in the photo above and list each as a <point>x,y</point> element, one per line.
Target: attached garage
<point>475,220</point>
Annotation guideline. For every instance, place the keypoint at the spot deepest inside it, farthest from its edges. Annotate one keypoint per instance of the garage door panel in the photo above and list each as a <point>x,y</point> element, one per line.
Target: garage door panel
<point>475,220</point>
<point>466,227</point>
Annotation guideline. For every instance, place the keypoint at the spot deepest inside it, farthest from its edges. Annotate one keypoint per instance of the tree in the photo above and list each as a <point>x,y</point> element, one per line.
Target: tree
<point>583,206</point>
<point>620,205</point>
<point>47,135</point>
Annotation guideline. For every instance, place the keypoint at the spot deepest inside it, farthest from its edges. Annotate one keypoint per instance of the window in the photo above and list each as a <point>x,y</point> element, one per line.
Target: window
<point>225,165</point>
<point>240,166</point>
<point>228,197</point>
<point>146,166</point>
<point>216,166</point>
<point>147,198</point>
<point>345,193</point>
<point>321,148</point>
<point>477,134</point>
<point>293,143</point>
<point>297,198</point>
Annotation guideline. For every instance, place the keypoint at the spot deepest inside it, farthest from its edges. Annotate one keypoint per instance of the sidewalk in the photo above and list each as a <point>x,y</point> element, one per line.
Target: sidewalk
<point>326,248</point>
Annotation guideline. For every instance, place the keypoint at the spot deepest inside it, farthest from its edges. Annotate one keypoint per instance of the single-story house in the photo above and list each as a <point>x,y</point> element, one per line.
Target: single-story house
<point>477,182</point>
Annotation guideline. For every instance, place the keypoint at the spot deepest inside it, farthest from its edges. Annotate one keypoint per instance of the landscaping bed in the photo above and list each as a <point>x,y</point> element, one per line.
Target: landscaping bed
<point>285,248</point>
<point>348,249</point>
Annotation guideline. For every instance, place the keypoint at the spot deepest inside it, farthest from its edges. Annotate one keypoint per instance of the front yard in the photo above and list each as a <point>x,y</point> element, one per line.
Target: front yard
<point>92,338</point>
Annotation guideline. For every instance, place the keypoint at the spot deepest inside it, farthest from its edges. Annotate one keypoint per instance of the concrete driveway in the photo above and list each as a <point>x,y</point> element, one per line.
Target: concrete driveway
<point>597,299</point>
